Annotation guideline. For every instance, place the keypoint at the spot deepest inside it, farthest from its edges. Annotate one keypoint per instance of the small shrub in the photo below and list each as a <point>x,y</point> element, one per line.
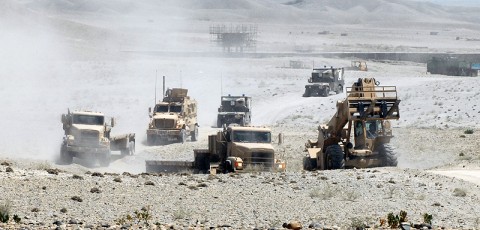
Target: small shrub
<point>117,179</point>
<point>97,174</point>
<point>149,183</point>
<point>141,216</point>
<point>459,192</point>
<point>468,131</point>
<point>326,193</point>
<point>95,190</point>
<point>392,220</point>
<point>43,165</point>
<point>63,210</point>
<point>16,218</point>
<point>357,223</point>
<point>77,198</point>
<point>351,195</point>
<point>53,171</point>
<point>77,177</point>
<point>180,214</point>
<point>403,216</point>
<point>5,209</point>
<point>427,218</point>
<point>35,210</point>
<point>9,169</point>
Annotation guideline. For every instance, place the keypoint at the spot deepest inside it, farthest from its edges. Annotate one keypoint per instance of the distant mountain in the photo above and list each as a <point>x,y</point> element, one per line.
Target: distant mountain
<point>473,3</point>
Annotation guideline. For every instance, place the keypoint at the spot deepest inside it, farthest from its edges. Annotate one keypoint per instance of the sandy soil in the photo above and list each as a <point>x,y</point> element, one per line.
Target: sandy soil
<point>93,55</point>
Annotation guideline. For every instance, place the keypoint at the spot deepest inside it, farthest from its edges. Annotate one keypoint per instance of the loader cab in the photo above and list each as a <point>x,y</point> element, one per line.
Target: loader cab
<point>365,132</point>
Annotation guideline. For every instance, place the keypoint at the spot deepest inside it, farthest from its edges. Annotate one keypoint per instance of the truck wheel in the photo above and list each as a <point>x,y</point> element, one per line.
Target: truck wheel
<point>339,89</point>
<point>325,92</point>
<point>307,93</point>
<point>65,156</point>
<point>104,159</point>
<point>131,148</point>
<point>183,136</point>
<point>387,155</point>
<point>334,157</point>
<point>194,134</point>
<point>151,140</point>
<point>309,164</point>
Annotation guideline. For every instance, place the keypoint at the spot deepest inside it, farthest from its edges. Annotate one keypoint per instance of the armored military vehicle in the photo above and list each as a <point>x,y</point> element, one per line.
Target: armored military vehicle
<point>234,110</point>
<point>323,81</point>
<point>173,119</point>
<point>87,136</point>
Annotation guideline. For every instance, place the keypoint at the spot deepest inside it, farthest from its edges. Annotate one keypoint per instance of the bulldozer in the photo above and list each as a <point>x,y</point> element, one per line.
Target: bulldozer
<point>324,81</point>
<point>234,149</point>
<point>358,135</point>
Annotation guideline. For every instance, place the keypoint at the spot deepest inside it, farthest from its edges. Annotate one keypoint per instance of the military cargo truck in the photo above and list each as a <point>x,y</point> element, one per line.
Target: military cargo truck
<point>234,110</point>
<point>323,81</point>
<point>87,136</point>
<point>235,148</point>
<point>173,119</point>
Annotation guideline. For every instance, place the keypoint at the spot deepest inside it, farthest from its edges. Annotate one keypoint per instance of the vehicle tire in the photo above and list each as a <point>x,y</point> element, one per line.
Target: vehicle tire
<point>194,134</point>
<point>339,89</point>
<point>325,92</point>
<point>334,157</point>
<point>183,136</point>
<point>309,164</point>
<point>104,159</point>
<point>151,140</point>
<point>65,156</point>
<point>131,148</point>
<point>387,155</point>
<point>307,93</point>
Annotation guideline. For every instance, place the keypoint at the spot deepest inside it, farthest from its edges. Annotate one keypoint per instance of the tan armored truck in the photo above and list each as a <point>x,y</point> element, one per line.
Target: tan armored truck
<point>235,148</point>
<point>324,81</point>
<point>234,110</point>
<point>87,136</point>
<point>359,133</point>
<point>173,119</point>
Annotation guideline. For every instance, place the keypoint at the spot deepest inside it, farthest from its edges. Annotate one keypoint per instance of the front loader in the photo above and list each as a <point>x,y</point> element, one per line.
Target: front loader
<point>359,133</point>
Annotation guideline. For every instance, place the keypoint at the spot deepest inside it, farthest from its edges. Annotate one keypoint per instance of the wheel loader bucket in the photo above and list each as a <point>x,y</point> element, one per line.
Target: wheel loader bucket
<point>373,101</point>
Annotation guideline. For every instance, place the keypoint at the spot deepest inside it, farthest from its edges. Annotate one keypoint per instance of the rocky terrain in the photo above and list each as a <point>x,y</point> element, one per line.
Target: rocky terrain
<point>104,56</point>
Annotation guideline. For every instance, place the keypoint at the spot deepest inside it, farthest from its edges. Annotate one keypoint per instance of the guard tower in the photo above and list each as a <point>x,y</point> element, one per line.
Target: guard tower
<point>234,38</point>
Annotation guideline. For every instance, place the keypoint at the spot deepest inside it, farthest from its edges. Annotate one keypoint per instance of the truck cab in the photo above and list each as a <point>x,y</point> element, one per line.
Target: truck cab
<point>234,110</point>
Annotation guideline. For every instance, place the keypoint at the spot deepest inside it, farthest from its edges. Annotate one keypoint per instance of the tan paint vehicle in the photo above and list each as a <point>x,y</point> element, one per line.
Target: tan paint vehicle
<point>173,119</point>
<point>87,136</point>
<point>359,133</point>
<point>235,148</point>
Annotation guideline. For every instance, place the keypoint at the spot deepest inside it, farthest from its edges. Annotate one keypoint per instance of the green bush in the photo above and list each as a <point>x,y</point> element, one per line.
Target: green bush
<point>468,131</point>
<point>5,212</point>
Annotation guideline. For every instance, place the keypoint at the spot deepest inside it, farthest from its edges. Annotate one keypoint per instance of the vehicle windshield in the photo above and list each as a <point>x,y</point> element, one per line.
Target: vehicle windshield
<point>176,108</point>
<point>252,136</point>
<point>88,119</point>
<point>161,109</point>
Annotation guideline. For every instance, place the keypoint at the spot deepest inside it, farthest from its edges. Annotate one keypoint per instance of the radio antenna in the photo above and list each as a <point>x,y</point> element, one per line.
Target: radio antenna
<point>155,87</point>
<point>221,84</point>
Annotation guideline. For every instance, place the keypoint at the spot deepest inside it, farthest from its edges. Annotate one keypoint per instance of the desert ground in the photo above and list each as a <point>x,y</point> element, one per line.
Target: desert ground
<point>105,56</point>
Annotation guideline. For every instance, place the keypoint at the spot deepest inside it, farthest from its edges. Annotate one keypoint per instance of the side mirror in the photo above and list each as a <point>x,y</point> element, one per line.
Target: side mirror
<point>149,109</point>
<point>112,122</point>
<point>64,118</point>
